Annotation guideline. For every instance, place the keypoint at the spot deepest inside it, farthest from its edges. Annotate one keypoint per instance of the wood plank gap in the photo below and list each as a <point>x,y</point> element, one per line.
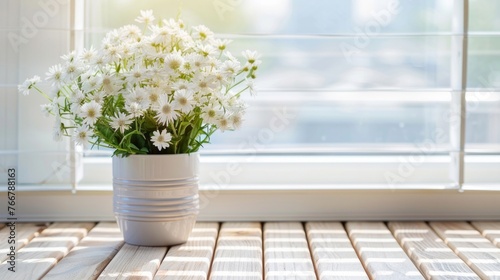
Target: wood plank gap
<point>310,250</point>
<point>490,230</point>
<point>213,254</point>
<point>380,252</point>
<point>429,252</point>
<point>192,260</point>
<point>89,258</point>
<point>477,251</point>
<point>45,250</point>
<point>333,253</point>
<point>238,253</point>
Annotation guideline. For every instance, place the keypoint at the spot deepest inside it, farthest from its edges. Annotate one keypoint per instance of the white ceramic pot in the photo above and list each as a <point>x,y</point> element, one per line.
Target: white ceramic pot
<point>155,198</point>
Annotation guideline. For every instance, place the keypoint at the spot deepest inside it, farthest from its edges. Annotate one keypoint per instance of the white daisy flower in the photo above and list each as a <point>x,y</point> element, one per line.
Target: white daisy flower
<point>161,35</point>
<point>165,112</point>
<point>174,24</point>
<point>82,135</point>
<point>223,123</point>
<point>206,50</point>
<point>90,112</point>
<point>136,74</point>
<point>55,75</point>
<point>236,120</point>
<point>98,96</point>
<point>204,83</point>
<point>77,96</point>
<point>183,101</point>
<point>88,55</point>
<point>120,121</point>
<point>173,61</point>
<point>222,44</point>
<point>135,109</point>
<point>146,17</point>
<point>69,57</point>
<point>250,84</point>
<point>138,95</point>
<point>71,71</point>
<point>25,87</point>
<point>210,114</point>
<point>202,32</point>
<point>154,94</point>
<point>98,61</point>
<point>197,61</point>
<point>46,109</point>
<point>251,56</point>
<point>91,84</point>
<point>130,33</point>
<point>110,84</point>
<point>230,68</point>
<point>182,84</point>
<point>161,140</point>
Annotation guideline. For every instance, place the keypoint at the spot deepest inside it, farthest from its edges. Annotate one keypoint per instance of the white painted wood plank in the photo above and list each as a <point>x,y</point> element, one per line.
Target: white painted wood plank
<point>380,253</point>
<point>134,262</point>
<point>286,252</point>
<point>191,261</point>
<point>477,251</point>
<point>429,252</point>
<point>490,230</point>
<point>238,254</point>
<point>89,258</point>
<point>333,253</point>
<point>23,233</point>
<point>45,250</point>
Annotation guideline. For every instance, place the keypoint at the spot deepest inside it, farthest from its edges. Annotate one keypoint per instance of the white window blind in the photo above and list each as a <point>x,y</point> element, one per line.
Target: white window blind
<point>346,88</point>
<point>354,83</point>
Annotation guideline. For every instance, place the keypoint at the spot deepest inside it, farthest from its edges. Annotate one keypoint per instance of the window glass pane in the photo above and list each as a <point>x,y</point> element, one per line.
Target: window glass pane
<point>483,16</point>
<point>483,123</point>
<point>336,121</point>
<point>483,69</point>
<point>371,73</point>
<point>286,16</point>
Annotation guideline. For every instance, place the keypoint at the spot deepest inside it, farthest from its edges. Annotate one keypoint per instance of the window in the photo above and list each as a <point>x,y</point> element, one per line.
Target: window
<point>355,81</point>
<point>352,94</point>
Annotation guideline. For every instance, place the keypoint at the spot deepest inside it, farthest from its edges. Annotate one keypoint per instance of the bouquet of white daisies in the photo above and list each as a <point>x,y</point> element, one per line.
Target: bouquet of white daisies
<point>166,90</point>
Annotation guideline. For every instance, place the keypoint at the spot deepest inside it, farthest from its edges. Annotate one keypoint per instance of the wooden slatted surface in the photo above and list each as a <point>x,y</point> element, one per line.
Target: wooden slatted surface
<point>23,233</point>
<point>253,250</point>
<point>91,256</point>
<point>36,258</point>
<point>286,252</point>
<point>134,262</point>
<point>380,252</point>
<point>490,230</point>
<point>191,260</point>
<point>239,252</point>
<point>334,256</point>
<point>434,258</point>
<point>476,250</point>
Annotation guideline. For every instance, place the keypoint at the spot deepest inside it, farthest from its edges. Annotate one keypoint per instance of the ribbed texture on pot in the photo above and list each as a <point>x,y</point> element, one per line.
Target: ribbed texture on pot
<point>155,197</point>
